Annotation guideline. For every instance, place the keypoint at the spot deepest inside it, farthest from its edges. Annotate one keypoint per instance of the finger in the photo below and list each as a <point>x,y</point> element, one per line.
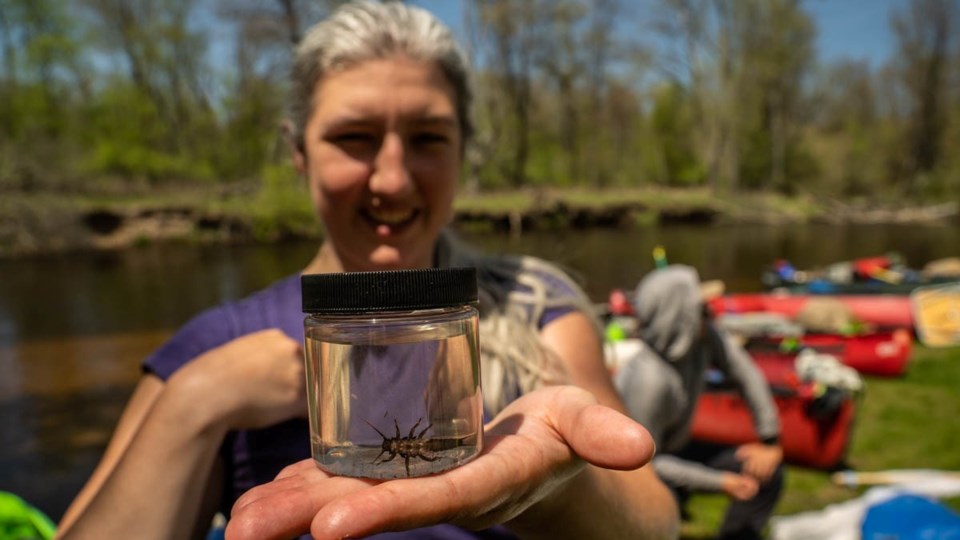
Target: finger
<point>411,503</point>
<point>599,434</point>
<point>766,472</point>
<point>761,470</point>
<point>757,470</point>
<point>286,506</point>
<point>280,514</point>
<point>302,467</point>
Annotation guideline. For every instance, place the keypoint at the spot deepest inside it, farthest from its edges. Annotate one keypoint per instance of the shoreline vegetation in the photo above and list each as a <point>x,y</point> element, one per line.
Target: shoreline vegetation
<point>46,223</point>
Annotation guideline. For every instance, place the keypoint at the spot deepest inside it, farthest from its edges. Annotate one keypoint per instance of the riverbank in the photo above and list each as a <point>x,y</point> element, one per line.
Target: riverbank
<point>38,223</point>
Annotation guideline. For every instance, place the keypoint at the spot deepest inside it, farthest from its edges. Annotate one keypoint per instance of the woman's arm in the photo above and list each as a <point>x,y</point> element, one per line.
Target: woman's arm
<point>161,468</point>
<point>543,472</point>
<point>152,486</point>
<point>760,459</point>
<point>142,400</point>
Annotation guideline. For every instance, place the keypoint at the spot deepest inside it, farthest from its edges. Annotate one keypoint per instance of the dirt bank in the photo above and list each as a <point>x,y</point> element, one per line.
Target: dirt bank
<point>47,223</point>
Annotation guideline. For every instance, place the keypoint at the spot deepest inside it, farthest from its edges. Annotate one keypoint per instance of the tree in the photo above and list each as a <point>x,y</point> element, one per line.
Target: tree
<point>556,56</point>
<point>254,85</point>
<point>600,46</point>
<point>42,81</point>
<point>925,35</point>
<point>745,63</point>
<point>508,28</point>
<point>848,129</point>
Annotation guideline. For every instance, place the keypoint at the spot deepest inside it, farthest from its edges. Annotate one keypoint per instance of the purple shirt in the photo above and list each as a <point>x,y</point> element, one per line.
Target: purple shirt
<point>254,457</point>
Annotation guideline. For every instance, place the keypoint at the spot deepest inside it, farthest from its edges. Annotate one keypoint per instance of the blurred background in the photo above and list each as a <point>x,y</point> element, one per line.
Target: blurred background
<point>832,98</point>
<point>144,177</point>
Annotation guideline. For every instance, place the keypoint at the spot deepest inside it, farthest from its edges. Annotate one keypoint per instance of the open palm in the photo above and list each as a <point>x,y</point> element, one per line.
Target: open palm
<point>531,449</point>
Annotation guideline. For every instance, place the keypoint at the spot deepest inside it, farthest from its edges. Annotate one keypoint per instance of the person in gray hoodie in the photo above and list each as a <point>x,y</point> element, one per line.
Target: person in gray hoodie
<point>662,382</point>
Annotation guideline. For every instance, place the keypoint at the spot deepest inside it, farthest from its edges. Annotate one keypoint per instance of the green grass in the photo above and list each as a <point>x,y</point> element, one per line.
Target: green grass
<point>652,198</point>
<point>908,423</point>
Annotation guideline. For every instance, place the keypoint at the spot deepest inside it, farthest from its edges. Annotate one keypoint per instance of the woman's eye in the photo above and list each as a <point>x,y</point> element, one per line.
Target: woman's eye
<point>353,137</point>
<point>429,138</point>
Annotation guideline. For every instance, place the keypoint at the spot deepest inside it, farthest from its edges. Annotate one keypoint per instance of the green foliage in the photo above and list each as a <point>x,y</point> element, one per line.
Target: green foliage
<point>128,138</point>
<point>251,131</point>
<point>563,98</point>
<point>282,205</point>
<point>672,128</point>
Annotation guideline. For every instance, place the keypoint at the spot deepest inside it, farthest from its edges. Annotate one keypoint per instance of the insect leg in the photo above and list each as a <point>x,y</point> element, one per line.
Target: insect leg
<point>413,429</point>
<point>392,455</point>
<point>422,432</point>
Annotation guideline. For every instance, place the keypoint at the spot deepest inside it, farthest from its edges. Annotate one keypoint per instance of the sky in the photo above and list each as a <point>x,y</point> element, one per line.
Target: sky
<point>854,29</point>
<point>848,29</point>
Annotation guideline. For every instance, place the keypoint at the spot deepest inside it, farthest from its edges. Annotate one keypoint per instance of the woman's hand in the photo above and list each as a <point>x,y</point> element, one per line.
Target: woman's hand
<point>531,449</point>
<point>251,382</point>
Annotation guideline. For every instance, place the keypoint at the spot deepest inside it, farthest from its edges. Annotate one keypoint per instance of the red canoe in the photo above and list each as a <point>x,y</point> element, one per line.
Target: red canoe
<point>884,354</point>
<point>884,311</point>
<point>816,423</point>
<point>818,440</point>
<point>815,426</point>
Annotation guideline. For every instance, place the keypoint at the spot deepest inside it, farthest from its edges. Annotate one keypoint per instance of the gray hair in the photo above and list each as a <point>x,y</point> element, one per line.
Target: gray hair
<point>365,30</point>
<point>515,292</point>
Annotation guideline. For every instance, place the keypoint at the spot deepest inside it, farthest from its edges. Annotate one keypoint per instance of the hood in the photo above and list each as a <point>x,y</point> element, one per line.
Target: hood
<point>668,306</point>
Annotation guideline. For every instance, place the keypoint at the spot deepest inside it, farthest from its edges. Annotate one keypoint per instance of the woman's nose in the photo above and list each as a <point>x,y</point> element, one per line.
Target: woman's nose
<point>391,175</point>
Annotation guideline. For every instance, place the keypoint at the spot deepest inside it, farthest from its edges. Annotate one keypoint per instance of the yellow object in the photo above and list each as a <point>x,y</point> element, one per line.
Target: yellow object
<point>660,256</point>
<point>936,314</point>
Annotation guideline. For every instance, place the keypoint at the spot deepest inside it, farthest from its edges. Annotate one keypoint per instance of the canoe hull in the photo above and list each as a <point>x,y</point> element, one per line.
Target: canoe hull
<point>885,354</point>
<point>811,437</point>
<point>882,311</point>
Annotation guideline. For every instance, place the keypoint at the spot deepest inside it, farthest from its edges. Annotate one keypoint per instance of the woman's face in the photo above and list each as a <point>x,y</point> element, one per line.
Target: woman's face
<point>382,154</point>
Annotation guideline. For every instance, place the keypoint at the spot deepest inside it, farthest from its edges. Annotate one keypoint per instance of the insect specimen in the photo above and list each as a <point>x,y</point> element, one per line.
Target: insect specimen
<point>410,446</point>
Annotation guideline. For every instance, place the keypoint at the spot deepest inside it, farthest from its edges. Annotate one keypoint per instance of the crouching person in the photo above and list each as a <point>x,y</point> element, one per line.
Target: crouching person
<point>662,383</point>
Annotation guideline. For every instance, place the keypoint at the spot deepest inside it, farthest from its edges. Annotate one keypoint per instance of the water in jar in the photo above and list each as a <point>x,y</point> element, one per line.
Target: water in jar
<point>395,398</point>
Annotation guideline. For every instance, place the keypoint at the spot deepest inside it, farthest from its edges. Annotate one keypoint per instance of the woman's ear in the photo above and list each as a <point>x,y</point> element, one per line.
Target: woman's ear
<point>296,147</point>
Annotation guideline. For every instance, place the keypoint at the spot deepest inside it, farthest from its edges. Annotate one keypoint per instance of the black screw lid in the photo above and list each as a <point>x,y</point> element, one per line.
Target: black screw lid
<point>358,292</point>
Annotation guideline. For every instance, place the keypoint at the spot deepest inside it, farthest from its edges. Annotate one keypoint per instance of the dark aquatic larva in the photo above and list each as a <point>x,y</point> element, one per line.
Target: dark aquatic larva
<point>410,446</point>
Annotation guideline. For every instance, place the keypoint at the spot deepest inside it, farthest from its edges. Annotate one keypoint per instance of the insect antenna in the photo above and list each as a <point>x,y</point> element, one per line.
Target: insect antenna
<point>375,428</point>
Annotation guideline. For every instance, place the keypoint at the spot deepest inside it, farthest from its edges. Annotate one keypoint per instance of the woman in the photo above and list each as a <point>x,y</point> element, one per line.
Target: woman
<point>379,125</point>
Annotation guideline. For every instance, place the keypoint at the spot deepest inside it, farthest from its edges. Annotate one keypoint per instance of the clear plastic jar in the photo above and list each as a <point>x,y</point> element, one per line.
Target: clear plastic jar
<point>393,371</point>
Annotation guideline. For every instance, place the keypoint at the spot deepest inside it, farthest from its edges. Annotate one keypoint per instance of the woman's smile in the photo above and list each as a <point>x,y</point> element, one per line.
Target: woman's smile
<point>390,222</point>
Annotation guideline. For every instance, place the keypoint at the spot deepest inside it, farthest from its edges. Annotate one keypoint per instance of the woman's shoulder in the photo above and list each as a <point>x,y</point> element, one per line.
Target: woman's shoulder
<point>276,306</point>
<point>543,290</point>
<point>534,273</point>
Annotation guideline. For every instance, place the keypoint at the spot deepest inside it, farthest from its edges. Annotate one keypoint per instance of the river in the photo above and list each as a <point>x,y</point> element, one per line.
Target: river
<point>74,327</point>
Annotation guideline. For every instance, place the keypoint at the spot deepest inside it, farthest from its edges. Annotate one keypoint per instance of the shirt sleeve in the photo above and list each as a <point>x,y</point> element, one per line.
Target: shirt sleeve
<point>207,330</point>
<point>655,396</point>
<point>740,369</point>
<point>686,474</point>
<point>558,290</point>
